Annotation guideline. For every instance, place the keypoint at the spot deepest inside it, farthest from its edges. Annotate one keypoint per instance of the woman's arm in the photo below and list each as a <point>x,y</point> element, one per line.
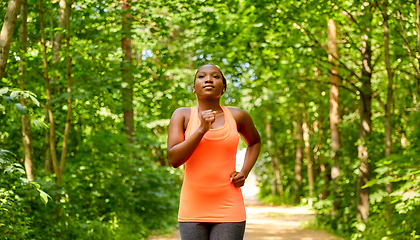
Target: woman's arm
<point>179,149</point>
<point>250,135</point>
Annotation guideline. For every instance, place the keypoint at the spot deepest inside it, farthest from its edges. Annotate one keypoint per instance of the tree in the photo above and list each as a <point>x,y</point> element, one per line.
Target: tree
<point>26,121</point>
<point>7,33</point>
<point>127,93</point>
<point>334,108</point>
<point>365,115</point>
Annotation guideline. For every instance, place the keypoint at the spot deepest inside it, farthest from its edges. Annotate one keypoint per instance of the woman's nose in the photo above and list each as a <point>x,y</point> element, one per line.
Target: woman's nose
<point>209,79</point>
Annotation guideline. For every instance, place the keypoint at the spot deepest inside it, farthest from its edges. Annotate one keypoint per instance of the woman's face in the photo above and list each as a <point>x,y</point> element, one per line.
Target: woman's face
<point>209,82</point>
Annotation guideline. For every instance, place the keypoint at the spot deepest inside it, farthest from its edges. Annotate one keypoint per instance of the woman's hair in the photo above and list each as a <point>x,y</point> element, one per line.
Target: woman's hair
<point>223,77</point>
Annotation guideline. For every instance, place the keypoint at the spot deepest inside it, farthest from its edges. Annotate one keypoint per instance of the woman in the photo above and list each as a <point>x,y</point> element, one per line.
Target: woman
<point>205,138</point>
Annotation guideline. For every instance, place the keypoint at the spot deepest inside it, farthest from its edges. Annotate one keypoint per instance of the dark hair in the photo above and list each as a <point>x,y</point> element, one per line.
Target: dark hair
<point>223,77</point>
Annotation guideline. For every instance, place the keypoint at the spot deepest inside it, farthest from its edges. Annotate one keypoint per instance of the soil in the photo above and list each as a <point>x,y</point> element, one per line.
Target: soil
<point>268,222</point>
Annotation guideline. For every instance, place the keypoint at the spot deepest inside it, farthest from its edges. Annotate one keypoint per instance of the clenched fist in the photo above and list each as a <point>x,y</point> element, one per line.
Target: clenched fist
<point>208,117</point>
<point>238,179</point>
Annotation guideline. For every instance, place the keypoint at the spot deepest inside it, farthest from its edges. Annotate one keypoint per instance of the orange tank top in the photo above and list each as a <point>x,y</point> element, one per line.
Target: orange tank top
<point>207,193</point>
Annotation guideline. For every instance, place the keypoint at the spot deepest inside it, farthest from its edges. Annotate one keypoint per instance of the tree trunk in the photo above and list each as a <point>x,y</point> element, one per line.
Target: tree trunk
<point>69,85</point>
<point>26,121</point>
<point>7,33</point>
<point>298,161</point>
<point>365,121</point>
<point>334,110</point>
<point>418,47</point>
<point>277,183</point>
<point>57,39</point>
<point>323,165</point>
<point>388,104</point>
<point>279,170</point>
<point>63,18</point>
<point>127,92</point>
<point>47,83</point>
<point>388,140</point>
<point>269,149</point>
<point>305,128</point>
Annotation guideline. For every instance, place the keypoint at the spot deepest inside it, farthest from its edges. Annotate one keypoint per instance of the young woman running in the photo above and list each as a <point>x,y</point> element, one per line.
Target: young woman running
<point>206,138</point>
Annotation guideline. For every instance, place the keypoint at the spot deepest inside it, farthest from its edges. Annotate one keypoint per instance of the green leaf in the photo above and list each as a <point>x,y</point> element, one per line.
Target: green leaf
<point>44,196</point>
<point>24,181</point>
<point>410,195</point>
<point>3,90</point>
<point>4,152</point>
<point>40,124</point>
<point>34,100</point>
<point>22,110</point>
<point>370,183</point>
<point>377,196</point>
<point>14,94</point>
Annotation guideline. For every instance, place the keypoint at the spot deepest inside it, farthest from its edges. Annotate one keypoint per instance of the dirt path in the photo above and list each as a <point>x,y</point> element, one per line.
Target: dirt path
<point>279,222</point>
<point>265,222</point>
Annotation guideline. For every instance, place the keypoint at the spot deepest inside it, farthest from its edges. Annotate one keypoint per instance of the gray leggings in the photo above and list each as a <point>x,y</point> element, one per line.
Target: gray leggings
<point>212,231</point>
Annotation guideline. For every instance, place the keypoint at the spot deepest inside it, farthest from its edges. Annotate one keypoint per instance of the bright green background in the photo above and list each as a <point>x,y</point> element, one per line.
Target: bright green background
<point>273,54</point>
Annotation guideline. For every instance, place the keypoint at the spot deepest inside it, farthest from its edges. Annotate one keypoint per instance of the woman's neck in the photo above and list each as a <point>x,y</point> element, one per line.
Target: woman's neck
<point>209,105</point>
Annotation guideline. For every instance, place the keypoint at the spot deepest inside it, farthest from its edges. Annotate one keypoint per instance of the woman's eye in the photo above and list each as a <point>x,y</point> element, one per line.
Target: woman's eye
<point>216,77</point>
<point>200,76</point>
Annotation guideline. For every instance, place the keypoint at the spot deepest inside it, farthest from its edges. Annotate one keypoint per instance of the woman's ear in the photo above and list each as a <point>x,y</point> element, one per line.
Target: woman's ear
<point>194,89</point>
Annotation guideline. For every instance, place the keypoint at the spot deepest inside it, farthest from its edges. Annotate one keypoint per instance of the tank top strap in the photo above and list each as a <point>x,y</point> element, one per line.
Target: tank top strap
<point>192,122</point>
<point>229,117</point>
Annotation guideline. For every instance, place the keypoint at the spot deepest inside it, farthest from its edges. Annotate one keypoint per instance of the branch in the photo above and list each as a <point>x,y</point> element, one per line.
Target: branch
<point>351,18</point>
<point>326,50</point>
<point>343,79</point>
<point>377,60</point>
<point>329,83</point>
<point>375,95</point>
<point>406,42</point>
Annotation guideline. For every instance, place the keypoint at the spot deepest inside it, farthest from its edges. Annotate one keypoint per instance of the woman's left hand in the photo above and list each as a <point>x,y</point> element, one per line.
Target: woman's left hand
<point>238,179</point>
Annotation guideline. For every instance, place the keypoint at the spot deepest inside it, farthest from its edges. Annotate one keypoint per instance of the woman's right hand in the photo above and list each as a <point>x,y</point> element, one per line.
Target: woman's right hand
<point>208,117</point>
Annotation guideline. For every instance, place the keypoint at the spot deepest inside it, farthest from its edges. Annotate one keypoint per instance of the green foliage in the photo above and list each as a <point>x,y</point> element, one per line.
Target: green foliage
<point>15,222</point>
<point>274,56</point>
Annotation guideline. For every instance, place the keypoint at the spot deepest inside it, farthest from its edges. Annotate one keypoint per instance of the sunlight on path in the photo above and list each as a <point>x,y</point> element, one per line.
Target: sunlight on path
<point>265,222</point>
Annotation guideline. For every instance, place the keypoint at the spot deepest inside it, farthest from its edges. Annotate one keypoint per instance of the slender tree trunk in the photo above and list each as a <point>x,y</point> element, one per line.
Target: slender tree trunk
<point>7,33</point>
<point>26,121</point>
<point>365,121</point>
<point>388,104</point>
<point>69,85</point>
<point>388,140</point>
<point>418,47</point>
<point>277,182</point>
<point>62,22</point>
<point>298,161</point>
<point>278,174</point>
<point>269,149</point>
<point>334,110</point>
<point>127,93</point>
<point>57,42</point>
<point>47,83</point>
<point>305,128</point>
<point>323,165</point>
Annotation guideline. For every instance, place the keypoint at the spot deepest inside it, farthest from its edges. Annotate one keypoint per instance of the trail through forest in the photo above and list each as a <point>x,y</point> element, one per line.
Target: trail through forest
<point>267,222</point>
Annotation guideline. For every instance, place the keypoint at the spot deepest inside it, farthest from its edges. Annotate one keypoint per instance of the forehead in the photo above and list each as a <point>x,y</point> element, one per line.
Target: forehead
<point>208,69</point>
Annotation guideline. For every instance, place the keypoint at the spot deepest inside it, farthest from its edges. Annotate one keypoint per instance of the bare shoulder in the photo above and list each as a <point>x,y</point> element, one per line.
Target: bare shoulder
<point>238,113</point>
<point>182,111</point>
<point>244,122</point>
<point>181,116</point>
